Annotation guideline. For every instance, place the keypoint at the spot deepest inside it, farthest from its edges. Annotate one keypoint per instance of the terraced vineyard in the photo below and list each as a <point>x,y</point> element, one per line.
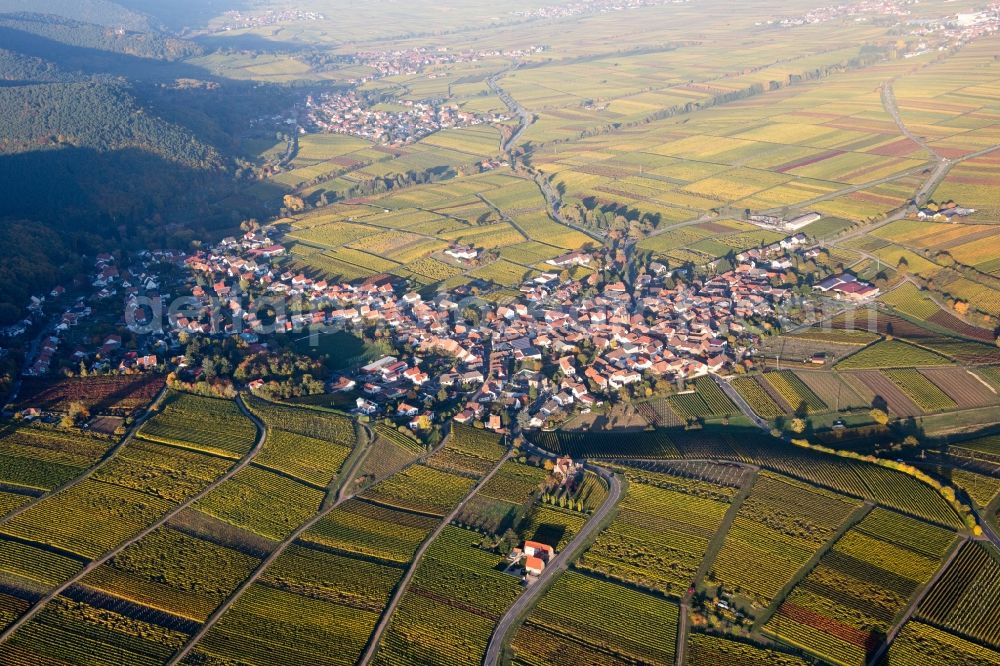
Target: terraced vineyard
<point>844,607</point>
<point>779,527</point>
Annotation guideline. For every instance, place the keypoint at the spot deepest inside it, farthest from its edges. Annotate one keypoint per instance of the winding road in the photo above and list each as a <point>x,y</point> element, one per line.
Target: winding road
<point>560,562</point>
<point>94,564</point>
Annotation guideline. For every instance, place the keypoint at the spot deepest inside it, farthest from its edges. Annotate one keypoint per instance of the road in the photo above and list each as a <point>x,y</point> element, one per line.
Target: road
<point>559,564</point>
<point>891,636</point>
<point>523,116</point>
<point>94,564</point>
<point>404,583</point>
<point>235,595</point>
<point>108,455</point>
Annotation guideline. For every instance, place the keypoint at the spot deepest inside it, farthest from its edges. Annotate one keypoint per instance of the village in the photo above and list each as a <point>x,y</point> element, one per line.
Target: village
<point>397,123</point>
<point>564,346</point>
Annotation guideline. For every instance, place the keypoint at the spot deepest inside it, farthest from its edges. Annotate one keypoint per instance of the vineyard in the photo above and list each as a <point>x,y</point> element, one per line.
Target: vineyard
<point>450,608</point>
<point>333,583</point>
<point>172,572</point>
<point>504,500</point>
<point>309,445</point>
<point>965,598</point>
<point>918,644</point>
<point>132,491</point>
<point>641,444</point>
<point>709,650</point>
<point>794,391</point>
<point>892,354</point>
<point>758,399</point>
<point>210,425</point>
<point>661,532</point>
<point>37,458</point>
<point>779,527</point>
<point>847,603</point>
<point>584,620</point>
<point>102,394</point>
<point>920,389</point>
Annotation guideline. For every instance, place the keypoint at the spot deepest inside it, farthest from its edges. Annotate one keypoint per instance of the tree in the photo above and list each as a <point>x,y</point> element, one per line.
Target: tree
<point>797,425</point>
<point>879,416</point>
<point>294,203</point>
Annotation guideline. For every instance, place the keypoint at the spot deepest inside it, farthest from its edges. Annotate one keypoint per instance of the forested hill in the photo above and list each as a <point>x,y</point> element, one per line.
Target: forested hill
<point>98,12</point>
<point>18,29</point>
<point>100,148</point>
<point>93,114</point>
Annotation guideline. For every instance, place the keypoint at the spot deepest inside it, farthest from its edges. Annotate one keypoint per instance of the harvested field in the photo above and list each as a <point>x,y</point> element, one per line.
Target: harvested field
<point>882,386</point>
<point>962,387</point>
<point>832,390</point>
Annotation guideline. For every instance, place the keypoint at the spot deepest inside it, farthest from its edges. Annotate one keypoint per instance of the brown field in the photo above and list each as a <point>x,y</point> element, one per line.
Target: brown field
<point>953,323</point>
<point>111,394</point>
<point>880,385</point>
<point>963,388</point>
<point>832,390</point>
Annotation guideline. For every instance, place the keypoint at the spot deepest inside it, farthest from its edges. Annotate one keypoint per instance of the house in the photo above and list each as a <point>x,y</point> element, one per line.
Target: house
<point>533,566</point>
<point>366,406</point>
<point>406,410</point>
<point>462,253</point>
<point>575,258</point>
<point>538,549</point>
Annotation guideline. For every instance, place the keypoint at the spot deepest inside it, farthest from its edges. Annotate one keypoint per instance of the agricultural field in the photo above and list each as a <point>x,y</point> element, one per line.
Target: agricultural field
<point>780,525</point>
<point>921,390</point>
<point>308,444</point>
<point>794,391</point>
<point>119,395</point>
<point>965,598</point>
<point>891,354</point>
<point>920,643</point>
<point>455,598</point>
<point>38,458</point>
<point>758,398</point>
<point>711,650</point>
<point>582,619</point>
<point>210,425</point>
<point>662,530</point>
<point>847,603</point>
<point>132,491</point>
<point>331,585</point>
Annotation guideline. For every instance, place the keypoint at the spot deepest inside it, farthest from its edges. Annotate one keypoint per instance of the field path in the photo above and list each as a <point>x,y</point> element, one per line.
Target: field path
<point>516,613</point>
<point>404,582</point>
<point>741,403</point>
<point>890,106</point>
<point>911,609</point>
<point>192,641</point>
<point>94,564</point>
<point>108,455</point>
